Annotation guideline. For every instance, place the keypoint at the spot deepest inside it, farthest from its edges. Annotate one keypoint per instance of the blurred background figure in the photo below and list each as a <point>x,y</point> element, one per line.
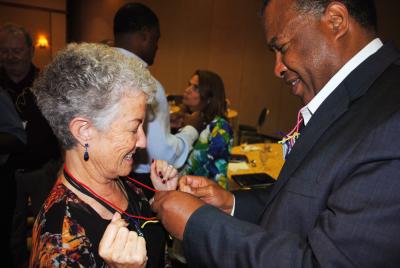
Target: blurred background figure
<point>205,98</point>
<point>95,100</point>
<point>17,73</point>
<point>136,35</point>
<point>12,140</point>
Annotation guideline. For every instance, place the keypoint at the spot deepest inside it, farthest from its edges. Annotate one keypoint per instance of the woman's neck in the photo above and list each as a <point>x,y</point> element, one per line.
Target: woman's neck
<point>88,174</point>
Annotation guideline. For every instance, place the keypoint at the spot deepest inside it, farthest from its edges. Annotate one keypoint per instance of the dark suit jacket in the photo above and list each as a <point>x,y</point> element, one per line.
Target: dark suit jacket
<point>337,200</point>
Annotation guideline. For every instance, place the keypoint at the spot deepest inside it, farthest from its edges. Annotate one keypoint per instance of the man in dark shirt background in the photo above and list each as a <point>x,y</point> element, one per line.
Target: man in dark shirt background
<point>17,74</point>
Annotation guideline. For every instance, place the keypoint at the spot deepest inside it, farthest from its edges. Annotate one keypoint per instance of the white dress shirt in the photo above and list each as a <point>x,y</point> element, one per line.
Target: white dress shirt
<point>308,110</point>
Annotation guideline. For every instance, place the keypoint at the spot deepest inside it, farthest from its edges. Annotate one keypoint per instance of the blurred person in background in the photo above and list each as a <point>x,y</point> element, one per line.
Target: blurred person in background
<point>136,35</point>
<point>205,98</point>
<point>17,73</point>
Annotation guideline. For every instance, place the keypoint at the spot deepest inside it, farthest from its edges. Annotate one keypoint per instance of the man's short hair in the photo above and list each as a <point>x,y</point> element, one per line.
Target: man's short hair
<point>363,11</point>
<point>14,29</point>
<point>134,17</point>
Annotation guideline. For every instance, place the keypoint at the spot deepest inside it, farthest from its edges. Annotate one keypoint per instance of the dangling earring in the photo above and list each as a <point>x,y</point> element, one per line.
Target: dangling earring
<point>86,153</point>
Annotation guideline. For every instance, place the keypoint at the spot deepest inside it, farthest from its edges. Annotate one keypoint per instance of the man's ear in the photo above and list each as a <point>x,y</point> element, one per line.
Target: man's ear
<point>82,129</point>
<point>338,19</point>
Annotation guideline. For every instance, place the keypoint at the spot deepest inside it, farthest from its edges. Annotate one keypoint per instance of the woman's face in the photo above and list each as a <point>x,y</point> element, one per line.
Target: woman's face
<point>112,150</point>
<point>191,95</point>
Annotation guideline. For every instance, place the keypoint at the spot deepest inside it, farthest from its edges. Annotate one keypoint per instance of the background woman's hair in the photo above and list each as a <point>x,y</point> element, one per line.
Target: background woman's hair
<point>212,94</point>
<point>88,80</point>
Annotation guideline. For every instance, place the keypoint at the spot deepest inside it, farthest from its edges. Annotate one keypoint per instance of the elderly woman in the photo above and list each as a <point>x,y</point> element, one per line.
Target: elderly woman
<point>205,98</point>
<point>94,99</point>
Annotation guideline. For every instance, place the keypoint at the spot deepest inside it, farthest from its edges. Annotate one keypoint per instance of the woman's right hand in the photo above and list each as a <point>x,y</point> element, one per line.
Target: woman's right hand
<point>121,248</point>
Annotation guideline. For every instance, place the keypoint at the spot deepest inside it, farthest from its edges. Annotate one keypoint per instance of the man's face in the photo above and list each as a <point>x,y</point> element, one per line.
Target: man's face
<point>15,54</point>
<point>150,45</point>
<point>302,46</point>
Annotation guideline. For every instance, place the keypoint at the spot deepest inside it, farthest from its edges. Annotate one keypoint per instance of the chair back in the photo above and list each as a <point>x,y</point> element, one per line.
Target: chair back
<point>261,118</point>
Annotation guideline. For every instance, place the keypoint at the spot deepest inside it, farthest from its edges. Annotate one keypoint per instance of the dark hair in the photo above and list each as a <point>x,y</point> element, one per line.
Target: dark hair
<point>212,93</point>
<point>363,11</point>
<point>16,29</point>
<point>134,17</point>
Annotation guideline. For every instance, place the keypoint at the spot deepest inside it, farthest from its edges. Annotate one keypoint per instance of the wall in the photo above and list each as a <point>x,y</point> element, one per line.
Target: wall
<point>222,35</point>
<point>39,17</point>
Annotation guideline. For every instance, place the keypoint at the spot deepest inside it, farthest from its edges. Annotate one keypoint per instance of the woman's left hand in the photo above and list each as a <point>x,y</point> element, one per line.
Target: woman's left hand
<point>163,176</point>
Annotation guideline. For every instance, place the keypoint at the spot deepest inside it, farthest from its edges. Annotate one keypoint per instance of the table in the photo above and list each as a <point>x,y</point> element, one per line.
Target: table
<point>263,158</point>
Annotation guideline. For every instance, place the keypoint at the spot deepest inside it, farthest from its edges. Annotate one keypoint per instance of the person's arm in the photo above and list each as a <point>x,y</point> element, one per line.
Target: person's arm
<point>12,134</point>
<point>163,145</point>
<point>9,143</point>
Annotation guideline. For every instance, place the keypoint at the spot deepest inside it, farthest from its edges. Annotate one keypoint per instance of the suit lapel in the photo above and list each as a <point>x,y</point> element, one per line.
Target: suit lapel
<point>353,87</point>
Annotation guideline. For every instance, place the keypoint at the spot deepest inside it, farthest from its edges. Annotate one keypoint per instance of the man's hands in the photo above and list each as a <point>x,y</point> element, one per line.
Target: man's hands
<point>120,247</point>
<point>174,208</point>
<point>208,191</point>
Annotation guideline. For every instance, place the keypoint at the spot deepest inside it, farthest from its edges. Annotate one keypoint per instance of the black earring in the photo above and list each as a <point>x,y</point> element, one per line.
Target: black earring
<point>86,153</point>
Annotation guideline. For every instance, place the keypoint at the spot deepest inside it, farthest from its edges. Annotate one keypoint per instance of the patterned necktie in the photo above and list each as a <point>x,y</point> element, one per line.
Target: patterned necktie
<point>289,139</point>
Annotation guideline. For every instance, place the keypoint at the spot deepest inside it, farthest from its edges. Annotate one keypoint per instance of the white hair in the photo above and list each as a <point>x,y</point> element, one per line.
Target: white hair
<point>88,80</point>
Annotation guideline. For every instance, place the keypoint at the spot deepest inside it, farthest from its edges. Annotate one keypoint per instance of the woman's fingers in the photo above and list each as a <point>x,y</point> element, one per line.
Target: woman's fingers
<point>120,247</point>
<point>105,246</point>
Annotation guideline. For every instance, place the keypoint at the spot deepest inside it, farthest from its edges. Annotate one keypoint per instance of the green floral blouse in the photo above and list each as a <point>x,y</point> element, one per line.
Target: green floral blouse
<point>211,152</point>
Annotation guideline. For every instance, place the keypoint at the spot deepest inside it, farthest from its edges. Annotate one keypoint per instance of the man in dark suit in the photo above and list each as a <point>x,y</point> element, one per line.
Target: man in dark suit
<point>337,199</point>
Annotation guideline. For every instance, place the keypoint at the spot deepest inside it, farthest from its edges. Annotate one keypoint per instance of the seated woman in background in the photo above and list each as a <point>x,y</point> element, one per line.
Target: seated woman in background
<point>205,98</point>
<point>95,100</point>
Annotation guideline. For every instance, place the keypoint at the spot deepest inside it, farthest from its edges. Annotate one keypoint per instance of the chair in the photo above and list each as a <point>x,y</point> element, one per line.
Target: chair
<point>251,134</point>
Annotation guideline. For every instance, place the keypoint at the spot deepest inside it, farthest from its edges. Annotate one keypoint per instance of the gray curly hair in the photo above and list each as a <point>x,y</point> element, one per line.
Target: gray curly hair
<point>88,80</point>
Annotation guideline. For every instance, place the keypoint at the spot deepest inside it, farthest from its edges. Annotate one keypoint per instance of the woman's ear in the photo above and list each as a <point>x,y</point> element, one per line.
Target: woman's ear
<point>338,19</point>
<point>82,129</point>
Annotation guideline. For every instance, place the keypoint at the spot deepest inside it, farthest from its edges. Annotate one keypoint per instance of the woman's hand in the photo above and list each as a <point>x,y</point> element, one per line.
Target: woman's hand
<point>163,176</point>
<point>121,248</point>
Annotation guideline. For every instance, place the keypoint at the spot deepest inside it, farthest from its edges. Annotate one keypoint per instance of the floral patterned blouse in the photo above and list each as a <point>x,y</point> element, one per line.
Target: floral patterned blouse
<point>67,231</point>
<point>211,152</point>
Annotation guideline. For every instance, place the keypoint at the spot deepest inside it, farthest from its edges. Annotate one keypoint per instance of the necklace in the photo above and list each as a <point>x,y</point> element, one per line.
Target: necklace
<point>132,219</point>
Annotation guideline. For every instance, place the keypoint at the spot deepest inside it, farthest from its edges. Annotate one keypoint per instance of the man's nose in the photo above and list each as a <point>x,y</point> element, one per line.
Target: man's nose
<point>280,67</point>
<point>9,55</point>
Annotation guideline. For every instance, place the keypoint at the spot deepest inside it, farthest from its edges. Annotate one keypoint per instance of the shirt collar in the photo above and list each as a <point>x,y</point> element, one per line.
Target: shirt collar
<point>308,110</point>
<point>130,54</point>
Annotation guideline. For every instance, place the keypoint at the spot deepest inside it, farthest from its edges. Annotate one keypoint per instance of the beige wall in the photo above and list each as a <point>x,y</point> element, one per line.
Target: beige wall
<point>39,17</point>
